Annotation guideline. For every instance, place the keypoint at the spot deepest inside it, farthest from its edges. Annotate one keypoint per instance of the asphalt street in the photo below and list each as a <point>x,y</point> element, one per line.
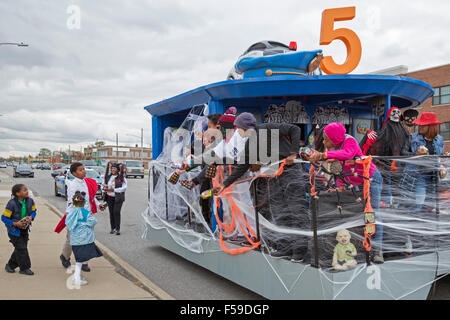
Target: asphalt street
<point>177,276</point>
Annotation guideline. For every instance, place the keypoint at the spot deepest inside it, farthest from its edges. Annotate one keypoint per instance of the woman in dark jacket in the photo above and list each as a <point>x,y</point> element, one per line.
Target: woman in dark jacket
<point>115,187</point>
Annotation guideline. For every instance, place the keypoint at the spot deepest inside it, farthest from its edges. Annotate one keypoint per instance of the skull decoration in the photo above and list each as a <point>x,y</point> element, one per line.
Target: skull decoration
<point>318,117</point>
<point>409,116</point>
<point>395,115</point>
<point>378,105</point>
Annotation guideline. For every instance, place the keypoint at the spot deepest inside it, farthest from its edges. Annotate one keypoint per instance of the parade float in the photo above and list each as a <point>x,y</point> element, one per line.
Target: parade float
<point>337,223</point>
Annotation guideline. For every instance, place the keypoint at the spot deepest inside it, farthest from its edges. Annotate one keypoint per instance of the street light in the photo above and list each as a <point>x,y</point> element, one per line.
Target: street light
<point>14,44</point>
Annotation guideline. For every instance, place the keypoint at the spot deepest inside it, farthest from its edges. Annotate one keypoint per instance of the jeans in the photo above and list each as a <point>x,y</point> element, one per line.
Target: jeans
<point>421,192</point>
<point>376,187</point>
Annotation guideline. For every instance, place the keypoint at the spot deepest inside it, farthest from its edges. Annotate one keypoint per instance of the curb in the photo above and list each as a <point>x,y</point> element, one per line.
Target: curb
<point>139,279</point>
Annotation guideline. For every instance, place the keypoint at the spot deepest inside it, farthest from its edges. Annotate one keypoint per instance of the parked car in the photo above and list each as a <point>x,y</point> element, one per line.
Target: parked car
<point>102,162</point>
<point>46,166</point>
<point>34,166</point>
<point>3,165</point>
<point>62,181</point>
<point>61,170</point>
<point>15,164</point>
<point>100,170</point>
<point>89,163</point>
<point>259,49</point>
<point>23,170</point>
<point>57,166</point>
<point>134,168</point>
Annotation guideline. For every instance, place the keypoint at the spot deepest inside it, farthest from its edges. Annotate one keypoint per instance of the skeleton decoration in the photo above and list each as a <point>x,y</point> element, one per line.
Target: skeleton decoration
<point>391,140</point>
<point>378,105</point>
<point>298,112</point>
<point>292,112</point>
<point>330,114</point>
<point>409,116</point>
<point>395,115</point>
<point>319,116</point>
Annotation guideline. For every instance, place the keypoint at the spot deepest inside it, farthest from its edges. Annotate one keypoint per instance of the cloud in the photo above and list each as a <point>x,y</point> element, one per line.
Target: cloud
<point>77,86</point>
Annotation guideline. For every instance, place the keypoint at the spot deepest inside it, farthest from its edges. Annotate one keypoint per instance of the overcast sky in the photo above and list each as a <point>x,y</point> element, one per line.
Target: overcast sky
<point>74,86</point>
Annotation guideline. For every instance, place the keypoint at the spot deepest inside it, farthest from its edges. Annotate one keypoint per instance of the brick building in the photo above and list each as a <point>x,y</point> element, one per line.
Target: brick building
<point>439,78</point>
<point>114,153</point>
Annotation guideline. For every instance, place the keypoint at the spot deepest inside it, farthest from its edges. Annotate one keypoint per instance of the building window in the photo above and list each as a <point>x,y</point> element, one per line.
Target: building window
<point>444,130</point>
<point>441,95</point>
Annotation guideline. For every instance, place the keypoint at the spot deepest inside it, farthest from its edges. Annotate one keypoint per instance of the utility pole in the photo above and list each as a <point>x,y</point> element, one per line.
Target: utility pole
<point>117,146</point>
<point>142,145</point>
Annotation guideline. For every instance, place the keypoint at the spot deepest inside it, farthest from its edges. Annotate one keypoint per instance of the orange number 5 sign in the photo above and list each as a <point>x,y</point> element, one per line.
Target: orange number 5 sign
<point>350,39</point>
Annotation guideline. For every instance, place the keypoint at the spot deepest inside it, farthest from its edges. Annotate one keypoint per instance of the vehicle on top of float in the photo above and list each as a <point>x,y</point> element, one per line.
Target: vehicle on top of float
<point>289,87</point>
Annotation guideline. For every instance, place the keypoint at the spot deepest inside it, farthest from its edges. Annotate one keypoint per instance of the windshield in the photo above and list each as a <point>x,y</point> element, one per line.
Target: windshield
<point>89,163</point>
<point>133,164</point>
<point>89,174</point>
<point>24,166</point>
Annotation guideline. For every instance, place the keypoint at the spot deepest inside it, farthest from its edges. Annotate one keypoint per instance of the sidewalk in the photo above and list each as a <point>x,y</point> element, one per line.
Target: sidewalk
<point>49,281</point>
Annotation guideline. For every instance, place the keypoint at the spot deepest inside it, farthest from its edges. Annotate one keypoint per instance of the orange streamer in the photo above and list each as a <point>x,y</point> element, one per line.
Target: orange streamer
<point>236,214</point>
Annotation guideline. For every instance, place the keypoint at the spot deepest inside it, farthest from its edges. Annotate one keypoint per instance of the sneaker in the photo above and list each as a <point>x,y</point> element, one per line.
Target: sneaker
<point>280,255</point>
<point>378,258</point>
<point>112,231</point>
<point>9,269</point>
<point>81,282</point>
<point>297,257</point>
<point>65,262</point>
<point>27,272</point>
<point>85,268</point>
<point>117,232</point>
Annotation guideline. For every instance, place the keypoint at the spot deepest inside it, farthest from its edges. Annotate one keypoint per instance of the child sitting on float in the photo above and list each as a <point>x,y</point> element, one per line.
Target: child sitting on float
<point>341,146</point>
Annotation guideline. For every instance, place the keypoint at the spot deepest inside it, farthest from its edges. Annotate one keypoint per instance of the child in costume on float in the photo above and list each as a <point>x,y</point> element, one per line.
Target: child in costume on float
<point>20,211</point>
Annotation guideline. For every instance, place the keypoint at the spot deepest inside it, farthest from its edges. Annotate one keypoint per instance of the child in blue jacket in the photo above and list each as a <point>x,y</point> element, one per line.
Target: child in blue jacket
<point>80,222</point>
<point>17,216</point>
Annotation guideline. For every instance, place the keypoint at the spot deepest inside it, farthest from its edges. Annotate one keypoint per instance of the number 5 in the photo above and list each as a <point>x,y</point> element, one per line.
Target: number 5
<point>350,39</point>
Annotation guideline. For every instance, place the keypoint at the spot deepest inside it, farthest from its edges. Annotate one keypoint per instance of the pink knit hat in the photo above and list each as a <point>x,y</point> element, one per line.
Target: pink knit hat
<point>336,133</point>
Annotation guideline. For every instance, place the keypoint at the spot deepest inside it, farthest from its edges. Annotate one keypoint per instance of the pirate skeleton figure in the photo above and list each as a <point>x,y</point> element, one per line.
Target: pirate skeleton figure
<point>391,140</point>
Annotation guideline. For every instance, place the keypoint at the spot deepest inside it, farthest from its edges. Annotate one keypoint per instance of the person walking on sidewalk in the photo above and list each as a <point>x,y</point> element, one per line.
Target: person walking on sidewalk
<point>80,222</point>
<point>17,216</point>
<point>115,187</point>
<point>89,187</point>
